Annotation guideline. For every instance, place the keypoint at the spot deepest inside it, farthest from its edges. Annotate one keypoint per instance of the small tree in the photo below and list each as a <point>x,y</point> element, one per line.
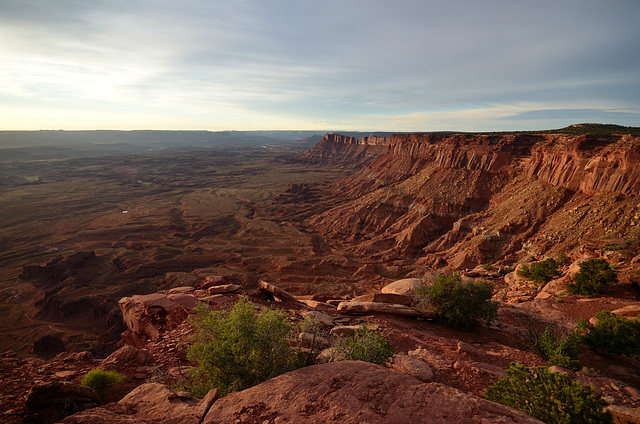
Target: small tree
<point>548,396</point>
<point>560,347</point>
<point>366,345</point>
<point>239,348</point>
<point>614,334</point>
<point>540,272</point>
<point>460,303</point>
<point>595,275</point>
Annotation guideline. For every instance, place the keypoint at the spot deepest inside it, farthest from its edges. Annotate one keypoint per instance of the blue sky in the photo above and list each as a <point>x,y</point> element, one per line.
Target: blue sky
<point>307,64</point>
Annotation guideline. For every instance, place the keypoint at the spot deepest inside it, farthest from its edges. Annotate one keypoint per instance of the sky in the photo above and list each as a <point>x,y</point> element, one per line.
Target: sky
<point>401,65</point>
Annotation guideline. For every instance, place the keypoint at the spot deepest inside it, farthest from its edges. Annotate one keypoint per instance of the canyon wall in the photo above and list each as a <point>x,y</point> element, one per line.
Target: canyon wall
<point>459,200</point>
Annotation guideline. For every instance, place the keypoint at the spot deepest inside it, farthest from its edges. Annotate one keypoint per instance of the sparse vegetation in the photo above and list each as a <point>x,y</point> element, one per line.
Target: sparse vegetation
<point>239,348</point>
<point>487,267</point>
<point>560,347</point>
<point>366,345</point>
<point>611,246</point>
<point>102,381</point>
<point>548,396</point>
<point>540,272</point>
<point>562,259</point>
<point>614,334</point>
<point>595,276</point>
<point>459,303</point>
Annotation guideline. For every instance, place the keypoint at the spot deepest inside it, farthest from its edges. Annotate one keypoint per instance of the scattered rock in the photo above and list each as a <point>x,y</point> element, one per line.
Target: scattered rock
<point>322,319</point>
<point>394,298</point>
<point>624,415</point>
<point>435,361</point>
<point>350,330</point>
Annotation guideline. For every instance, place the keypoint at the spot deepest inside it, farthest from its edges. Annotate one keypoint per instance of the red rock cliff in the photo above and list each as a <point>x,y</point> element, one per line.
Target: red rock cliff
<point>463,199</point>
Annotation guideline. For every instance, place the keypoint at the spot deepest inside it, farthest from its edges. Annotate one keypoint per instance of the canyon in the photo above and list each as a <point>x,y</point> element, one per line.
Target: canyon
<point>343,218</point>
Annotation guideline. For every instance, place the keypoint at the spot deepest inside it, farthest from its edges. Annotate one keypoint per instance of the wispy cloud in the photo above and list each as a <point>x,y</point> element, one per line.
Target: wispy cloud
<point>348,63</point>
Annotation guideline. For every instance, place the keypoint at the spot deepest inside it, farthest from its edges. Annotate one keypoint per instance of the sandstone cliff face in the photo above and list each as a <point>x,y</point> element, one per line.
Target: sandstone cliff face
<point>460,200</point>
<point>590,164</point>
<point>343,150</point>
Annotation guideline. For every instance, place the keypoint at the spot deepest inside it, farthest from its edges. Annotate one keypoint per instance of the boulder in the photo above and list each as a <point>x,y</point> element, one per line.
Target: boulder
<point>629,311</point>
<point>50,402</point>
<point>128,354</point>
<point>214,280</point>
<point>149,403</point>
<point>148,316</point>
<point>186,300</point>
<point>223,288</point>
<point>404,287</point>
<point>412,366</point>
<point>624,415</point>
<point>356,392</point>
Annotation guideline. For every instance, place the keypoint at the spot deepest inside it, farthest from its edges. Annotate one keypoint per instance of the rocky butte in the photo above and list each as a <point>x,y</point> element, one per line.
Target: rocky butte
<point>411,205</point>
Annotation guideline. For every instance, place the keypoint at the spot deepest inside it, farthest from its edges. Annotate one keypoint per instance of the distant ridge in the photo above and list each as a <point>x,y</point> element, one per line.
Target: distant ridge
<point>579,129</point>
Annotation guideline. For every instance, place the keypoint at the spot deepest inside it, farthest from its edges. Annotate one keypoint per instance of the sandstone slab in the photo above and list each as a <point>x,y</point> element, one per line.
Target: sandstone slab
<point>352,392</point>
<point>404,287</point>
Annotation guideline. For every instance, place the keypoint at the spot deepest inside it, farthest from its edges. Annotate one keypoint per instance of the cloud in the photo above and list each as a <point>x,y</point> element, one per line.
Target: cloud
<point>575,115</point>
<point>340,62</point>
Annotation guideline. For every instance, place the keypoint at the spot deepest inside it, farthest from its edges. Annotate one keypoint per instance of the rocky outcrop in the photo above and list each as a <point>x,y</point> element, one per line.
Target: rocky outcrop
<point>462,200</point>
<point>356,392</point>
<point>147,316</point>
<point>590,164</point>
<point>343,150</point>
<point>149,403</point>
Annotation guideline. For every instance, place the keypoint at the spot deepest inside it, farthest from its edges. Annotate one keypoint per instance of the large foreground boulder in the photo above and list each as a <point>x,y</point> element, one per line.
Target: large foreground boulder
<point>356,392</point>
<point>149,403</point>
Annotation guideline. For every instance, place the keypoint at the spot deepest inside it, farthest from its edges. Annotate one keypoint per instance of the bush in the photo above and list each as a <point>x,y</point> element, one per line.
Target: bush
<point>562,259</point>
<point>239,348</point>
<point>614,334</point>
<point>540,272</point>
<point>548,396</point>
<point>101,381</point>
<point>460,303</point>
<point>366,345</point>
<point>560,347</point>
<point>595,275</point>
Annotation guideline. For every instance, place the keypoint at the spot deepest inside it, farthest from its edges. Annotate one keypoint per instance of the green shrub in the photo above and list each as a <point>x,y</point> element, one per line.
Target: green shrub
<point>101,381</point>
<point>487,267</point>
<point>560,347</point>
<point>548,396</point>
<point>614,334</point>
<point>562,259</point>
<point>366,345</point>
<point>540,272</point>
<point>239,348</point>
<point>460,303</point>
<point>595,275</point>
